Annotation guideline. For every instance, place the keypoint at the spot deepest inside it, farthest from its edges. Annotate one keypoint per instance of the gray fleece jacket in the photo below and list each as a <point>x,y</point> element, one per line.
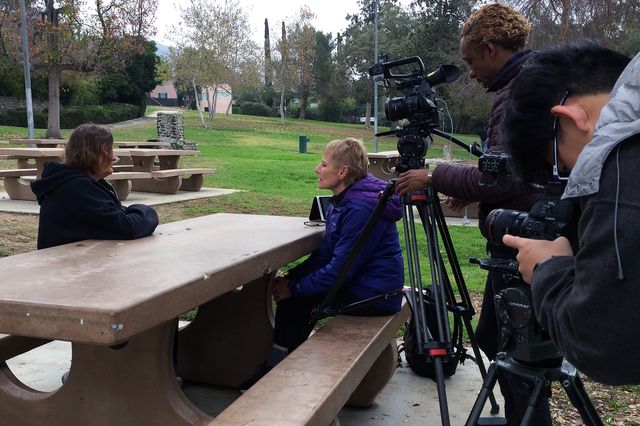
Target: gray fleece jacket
<point>590,303</point>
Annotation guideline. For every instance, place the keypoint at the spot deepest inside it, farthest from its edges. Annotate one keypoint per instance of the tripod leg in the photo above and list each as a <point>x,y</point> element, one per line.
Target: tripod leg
<point>442,394</point>
<point>487,389</point>
<point>541,383</point>
<point>495,408</point>
<point>464,295</point>
<point>572,385</point>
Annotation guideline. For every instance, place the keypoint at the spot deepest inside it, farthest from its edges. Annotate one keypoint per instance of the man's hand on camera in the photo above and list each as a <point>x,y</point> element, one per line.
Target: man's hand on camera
<point>280,289</point>
<point>413,180</point>
<point>531,252</point>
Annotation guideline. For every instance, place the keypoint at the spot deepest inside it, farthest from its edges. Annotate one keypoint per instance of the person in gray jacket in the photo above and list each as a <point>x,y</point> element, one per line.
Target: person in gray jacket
<point>588,299</point>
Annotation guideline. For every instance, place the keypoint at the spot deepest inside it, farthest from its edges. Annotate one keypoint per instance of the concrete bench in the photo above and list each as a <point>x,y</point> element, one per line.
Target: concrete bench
<point>347,361</point>
<point>123,167</point>
<point>121,182</point>
<point>170,181</point>
<point>18,188</point>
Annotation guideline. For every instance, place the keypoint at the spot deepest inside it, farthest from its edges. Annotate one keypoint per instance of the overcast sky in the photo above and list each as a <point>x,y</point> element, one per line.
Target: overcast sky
<point>330,15</point>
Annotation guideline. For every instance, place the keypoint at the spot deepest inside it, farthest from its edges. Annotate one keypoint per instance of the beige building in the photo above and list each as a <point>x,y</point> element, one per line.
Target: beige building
<point>166,94</point>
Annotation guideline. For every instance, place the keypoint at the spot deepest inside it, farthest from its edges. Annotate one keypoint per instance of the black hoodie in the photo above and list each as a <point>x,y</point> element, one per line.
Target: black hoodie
<point>75,207</point>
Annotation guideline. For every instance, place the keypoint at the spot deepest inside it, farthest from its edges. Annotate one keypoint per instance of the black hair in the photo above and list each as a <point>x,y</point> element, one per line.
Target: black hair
<point>582,68</point>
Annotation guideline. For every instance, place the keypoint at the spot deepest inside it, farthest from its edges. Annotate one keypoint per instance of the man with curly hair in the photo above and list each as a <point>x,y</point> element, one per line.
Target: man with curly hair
<point>493,41</point>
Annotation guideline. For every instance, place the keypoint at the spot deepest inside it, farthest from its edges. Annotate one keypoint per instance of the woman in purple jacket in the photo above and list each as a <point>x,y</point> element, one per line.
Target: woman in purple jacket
<point>377,270</point>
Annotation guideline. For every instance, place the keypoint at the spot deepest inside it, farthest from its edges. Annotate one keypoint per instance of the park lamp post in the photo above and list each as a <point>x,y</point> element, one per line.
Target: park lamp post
<point>375,83</point>
<point>26,66</point>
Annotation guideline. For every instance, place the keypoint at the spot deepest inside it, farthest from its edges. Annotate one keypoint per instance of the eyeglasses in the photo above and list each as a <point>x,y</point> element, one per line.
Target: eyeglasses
<point>556,121</point>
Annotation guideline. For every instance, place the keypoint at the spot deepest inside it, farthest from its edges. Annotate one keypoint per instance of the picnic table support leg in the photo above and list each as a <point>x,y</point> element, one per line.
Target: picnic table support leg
<point>122,188</point>
<point>168,185</point>
<point>377,378</point>
<point>18,189</point>
<point>229,336</point>
<point>192,183</point>
<point>131,384</point>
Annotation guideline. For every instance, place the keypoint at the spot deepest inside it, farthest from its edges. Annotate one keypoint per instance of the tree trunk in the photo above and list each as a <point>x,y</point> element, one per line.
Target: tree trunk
<point>195,92</point>
<point>229,106</point>
<point>211,116</point>
<point>367,119</point>
<point>282,106</point>
<point>212,112</point>
<point>303,106</point>
<point>564,20</point>
<point>53,123</point>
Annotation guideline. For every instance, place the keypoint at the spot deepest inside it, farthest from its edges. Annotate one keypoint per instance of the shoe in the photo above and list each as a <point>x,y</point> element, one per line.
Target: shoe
<point>258,374</point>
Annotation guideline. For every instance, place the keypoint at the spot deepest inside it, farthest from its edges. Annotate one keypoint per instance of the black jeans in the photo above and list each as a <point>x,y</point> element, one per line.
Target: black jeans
<point>293,322</point>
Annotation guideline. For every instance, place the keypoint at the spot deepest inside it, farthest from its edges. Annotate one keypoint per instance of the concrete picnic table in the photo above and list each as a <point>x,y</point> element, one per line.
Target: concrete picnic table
<point>118,303</point>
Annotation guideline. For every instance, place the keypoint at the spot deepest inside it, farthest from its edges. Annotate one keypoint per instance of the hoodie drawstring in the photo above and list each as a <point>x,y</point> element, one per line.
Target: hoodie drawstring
<point>620,275</point>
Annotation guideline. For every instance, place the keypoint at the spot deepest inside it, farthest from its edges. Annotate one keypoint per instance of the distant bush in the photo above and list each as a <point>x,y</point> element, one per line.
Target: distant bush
<point>72,117</point>
<point>255,108</point>
<point>18,117</point>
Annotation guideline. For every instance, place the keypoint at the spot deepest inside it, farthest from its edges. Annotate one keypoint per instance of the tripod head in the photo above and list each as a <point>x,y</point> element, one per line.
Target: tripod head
<point>523,338</point>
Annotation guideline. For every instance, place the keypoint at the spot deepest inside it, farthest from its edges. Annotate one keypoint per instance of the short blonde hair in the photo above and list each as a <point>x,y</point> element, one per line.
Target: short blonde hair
<point>497,23</point>
<point>351,153</point>
<point>86,146</point>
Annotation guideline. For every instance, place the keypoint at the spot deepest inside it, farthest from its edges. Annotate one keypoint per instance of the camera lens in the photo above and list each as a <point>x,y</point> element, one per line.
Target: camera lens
<point>502,221</point>
<point>395,109</point>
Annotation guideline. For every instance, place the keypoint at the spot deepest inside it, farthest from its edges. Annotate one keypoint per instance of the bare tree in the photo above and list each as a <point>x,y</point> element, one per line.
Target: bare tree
<point>558,21</point>
<point>302,41</point>
<point>220,34</point>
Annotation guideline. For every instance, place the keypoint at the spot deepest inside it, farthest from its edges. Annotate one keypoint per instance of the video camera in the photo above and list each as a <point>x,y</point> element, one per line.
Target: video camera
<point>418,105</point>
<point>523,337</point>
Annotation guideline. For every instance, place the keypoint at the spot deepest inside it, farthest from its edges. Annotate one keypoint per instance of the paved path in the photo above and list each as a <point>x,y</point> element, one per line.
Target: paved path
<point>407,400</point>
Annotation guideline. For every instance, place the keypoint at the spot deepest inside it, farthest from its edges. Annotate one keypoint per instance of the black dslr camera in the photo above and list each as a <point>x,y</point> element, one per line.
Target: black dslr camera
<point>418,105</point>
<point>523,337</point>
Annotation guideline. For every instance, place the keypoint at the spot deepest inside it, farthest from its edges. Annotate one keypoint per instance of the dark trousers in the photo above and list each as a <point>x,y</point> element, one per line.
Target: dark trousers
<point>514,389</point>
<point>293,322</point>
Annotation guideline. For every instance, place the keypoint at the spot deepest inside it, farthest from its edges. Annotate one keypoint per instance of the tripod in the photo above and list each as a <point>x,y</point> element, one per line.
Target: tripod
<point>435,345</point>
<point>541,377</point>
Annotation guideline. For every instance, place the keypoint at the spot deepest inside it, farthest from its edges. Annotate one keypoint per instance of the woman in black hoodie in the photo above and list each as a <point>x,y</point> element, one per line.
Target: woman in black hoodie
<point>76,203</point>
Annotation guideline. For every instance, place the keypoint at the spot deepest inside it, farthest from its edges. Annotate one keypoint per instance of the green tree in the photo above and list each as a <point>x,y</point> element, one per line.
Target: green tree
<point>356,49</point>
<point>70,35</point>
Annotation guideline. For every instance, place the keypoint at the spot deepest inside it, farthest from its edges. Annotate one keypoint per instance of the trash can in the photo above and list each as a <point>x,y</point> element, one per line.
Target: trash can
<point>302,144</point>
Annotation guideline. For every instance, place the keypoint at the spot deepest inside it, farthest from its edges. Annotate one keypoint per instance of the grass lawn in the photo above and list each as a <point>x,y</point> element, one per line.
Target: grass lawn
<point>260,156</point>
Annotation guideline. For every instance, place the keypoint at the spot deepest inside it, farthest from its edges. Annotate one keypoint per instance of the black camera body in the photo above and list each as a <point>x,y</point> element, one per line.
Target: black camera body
<point>523,337</point>
<point>418,105</point>
<point>547,220</point>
